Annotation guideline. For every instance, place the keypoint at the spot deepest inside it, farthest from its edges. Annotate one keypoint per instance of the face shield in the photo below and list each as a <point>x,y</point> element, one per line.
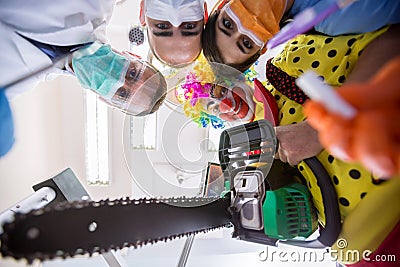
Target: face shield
<point>121,80</point>
<point>144,87</point>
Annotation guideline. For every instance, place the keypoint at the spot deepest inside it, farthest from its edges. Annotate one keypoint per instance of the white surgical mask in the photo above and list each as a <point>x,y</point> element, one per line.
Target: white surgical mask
<point>175,11</point>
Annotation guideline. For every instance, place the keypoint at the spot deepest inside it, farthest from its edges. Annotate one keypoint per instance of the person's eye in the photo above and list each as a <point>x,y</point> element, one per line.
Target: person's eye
<point>223,92</point>
<point>189,26</point>
<point>132,73</point>
<point>122,93</point>
<point>216,110</point>
<point>218,92</point>
<point>162,26</point>
<point>247,43</point>
<point>227,23</point>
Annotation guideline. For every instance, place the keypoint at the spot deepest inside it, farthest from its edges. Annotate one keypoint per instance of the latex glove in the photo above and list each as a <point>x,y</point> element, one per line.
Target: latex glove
<point>297,142</point>
<point>372,137</point>
<point>6,125</point>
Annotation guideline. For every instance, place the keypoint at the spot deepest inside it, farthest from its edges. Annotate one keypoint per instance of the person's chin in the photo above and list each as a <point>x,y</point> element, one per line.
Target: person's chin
<point>245,118</point>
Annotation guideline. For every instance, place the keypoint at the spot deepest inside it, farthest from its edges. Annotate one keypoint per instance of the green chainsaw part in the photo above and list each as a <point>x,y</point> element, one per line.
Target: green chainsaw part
<point>287,213</point>
<point>227,186</point>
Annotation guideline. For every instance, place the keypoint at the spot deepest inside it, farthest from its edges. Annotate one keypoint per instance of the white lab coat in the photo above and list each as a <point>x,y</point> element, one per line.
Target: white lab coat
<point>58,22</point>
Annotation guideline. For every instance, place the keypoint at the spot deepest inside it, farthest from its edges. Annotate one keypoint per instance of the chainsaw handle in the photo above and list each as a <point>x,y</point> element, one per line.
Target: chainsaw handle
<point>333,226</point>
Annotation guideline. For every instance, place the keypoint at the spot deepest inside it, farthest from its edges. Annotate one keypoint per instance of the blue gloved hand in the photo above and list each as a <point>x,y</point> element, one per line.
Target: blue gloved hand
<point>6,125</point>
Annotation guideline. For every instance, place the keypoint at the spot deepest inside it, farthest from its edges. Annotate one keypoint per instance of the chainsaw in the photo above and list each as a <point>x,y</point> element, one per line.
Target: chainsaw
<point>265,201</point>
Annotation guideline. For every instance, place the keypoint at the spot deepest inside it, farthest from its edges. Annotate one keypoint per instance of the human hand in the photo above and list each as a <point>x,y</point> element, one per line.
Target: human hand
<point>297,142</point>
<point>372,137</point>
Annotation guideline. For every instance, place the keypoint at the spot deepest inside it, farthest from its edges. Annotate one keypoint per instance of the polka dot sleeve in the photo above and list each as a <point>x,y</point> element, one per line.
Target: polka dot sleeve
<point>331,57</point>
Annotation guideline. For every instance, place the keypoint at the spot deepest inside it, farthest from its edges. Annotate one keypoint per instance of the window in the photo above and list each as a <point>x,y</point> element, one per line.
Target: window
<point>97,150</point>
<point>144,132</point>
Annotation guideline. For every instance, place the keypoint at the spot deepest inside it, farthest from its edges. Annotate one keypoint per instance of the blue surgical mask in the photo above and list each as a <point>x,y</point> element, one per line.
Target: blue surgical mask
<point>98,68</point>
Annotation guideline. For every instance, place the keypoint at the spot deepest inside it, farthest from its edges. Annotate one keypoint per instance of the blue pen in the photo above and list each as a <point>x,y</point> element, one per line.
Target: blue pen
<point>305,21</point>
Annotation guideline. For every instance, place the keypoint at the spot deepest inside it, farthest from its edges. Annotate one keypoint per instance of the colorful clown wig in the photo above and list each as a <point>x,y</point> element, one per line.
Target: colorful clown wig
<point>189,93</point>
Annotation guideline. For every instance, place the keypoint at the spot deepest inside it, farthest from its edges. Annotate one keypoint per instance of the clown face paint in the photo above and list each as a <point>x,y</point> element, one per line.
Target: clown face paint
<point>233,105</point>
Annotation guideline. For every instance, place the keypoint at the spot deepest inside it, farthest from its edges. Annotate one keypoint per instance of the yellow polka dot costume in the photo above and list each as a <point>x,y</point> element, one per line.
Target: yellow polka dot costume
<point>333,58</point>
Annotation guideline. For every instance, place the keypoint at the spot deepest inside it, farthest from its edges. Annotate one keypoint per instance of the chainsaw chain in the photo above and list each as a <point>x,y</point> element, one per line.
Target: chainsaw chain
<point>9,227</point>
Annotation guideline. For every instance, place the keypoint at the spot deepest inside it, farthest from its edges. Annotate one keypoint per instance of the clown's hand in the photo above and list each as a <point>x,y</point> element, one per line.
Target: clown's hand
<point>372,136</point>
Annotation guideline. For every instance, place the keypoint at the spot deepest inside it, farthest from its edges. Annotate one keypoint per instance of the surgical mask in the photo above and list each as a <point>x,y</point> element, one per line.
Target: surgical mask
<point>259,20</point>
<point>100,69</point>
<point>175,11</point>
